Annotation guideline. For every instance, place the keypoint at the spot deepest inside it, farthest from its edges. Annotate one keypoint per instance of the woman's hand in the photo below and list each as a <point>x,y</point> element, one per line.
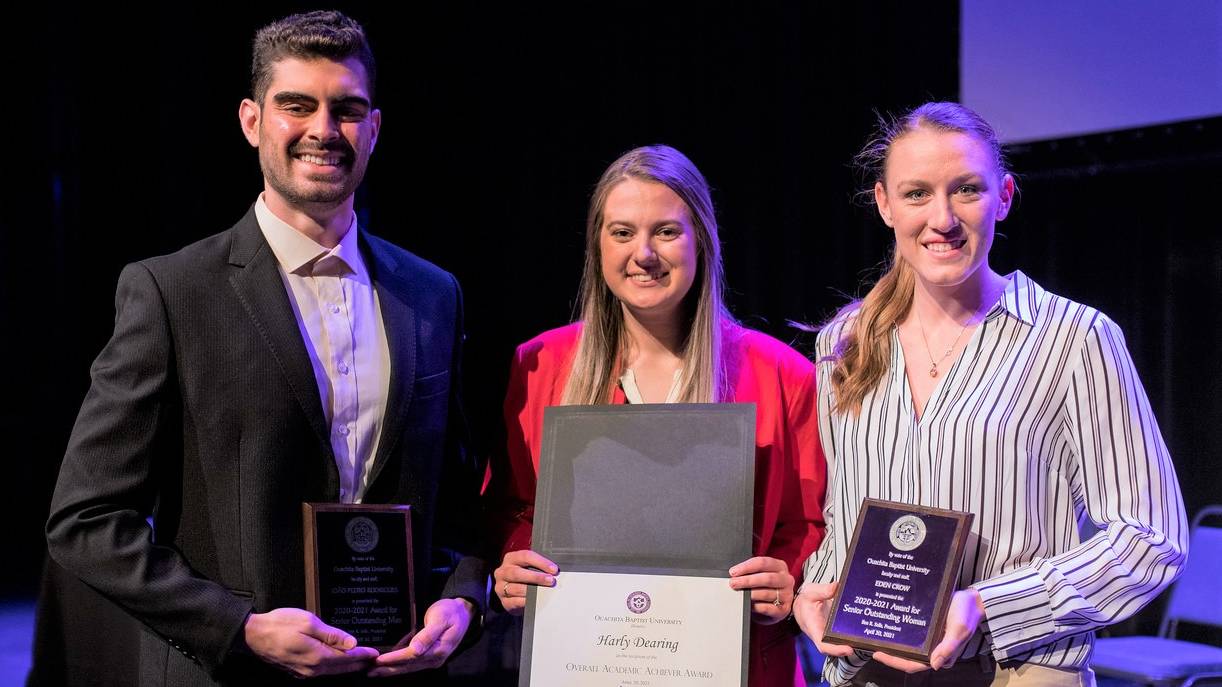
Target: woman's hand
<point>810,609</point>
<point>519,569</point>
<point>964,616</point>
<point>771,587</point>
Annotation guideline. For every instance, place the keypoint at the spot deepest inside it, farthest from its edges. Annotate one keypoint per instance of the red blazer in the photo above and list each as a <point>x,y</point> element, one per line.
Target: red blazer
<point>790,470</point>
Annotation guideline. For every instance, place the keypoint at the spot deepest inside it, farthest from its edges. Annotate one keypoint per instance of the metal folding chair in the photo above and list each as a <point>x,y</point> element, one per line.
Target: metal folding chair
<point>1164,661</point>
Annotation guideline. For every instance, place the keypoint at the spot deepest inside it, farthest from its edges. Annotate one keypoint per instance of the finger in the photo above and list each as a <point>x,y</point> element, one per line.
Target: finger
<point>514,605</point>
<point>830,649</point>
<point>768,595</point>
<point>530,559</point>
<point>443,647</point>
<point>510,575</point>
<point>818,592</point>
<point>759,564</point>
<point>354,659</point>
<point>811,609</point>
<point>452,617</point>
<point>398,656</point>
<point>946,652</point>
<point>331,636</point>
<point>426,638</point>
<point>408,660</point>
<point>767,614</point>
<point>510,591</point>
<point>804,611</point>
<point>899,663</point>
<point>770,602</point>
<point>768,580</point>
<point>405,668</point>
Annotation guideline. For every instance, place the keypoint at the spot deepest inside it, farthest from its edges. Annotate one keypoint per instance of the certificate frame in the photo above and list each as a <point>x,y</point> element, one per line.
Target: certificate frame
<point>860,567</point>
<point>530,629</point>
<point>580,529</point>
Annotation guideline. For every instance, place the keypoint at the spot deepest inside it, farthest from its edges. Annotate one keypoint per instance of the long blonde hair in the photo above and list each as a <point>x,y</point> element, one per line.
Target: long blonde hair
<point>597,362</point>
<point>862,355</point>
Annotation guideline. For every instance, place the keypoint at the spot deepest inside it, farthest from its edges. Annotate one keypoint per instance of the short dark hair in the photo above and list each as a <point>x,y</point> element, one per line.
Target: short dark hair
<point>312,35</point>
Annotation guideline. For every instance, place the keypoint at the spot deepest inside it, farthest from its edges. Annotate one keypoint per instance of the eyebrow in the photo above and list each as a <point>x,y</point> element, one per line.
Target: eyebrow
<point>295,97</point>
<point>664,223</point>
<point>962,178</point>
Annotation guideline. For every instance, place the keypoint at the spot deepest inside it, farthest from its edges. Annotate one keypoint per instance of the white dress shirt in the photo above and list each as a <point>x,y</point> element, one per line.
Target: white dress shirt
<point>1042,429</point>
<point>337,311</point>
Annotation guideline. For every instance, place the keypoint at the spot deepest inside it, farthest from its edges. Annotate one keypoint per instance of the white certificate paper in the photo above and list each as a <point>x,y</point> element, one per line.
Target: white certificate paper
<point>637,630</point>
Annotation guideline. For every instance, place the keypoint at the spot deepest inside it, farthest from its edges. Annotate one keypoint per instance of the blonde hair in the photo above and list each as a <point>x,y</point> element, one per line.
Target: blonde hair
<point>862,355</point>
<point>597,361</point>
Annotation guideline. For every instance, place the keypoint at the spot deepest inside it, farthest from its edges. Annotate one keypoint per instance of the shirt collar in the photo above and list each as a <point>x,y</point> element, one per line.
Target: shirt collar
<point>1020,299</point>
<point>295,251</point>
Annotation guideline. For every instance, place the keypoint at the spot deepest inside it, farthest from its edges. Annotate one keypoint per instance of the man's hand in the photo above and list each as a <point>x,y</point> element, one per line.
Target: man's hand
<point>810,608</point>
<point>964,616</point>
<point>297,641</point>
<point>519,570</point>
<point>445,623</point>
<point>770,584</point>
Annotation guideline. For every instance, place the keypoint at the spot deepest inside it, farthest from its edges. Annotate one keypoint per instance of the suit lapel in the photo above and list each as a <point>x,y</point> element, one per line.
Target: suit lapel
<point>256,281</point>
<point>399,320</point>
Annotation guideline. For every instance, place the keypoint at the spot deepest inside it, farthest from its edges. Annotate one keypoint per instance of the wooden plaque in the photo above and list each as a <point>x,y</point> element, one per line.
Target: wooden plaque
<point>898,577</point>
<point>358,568</point>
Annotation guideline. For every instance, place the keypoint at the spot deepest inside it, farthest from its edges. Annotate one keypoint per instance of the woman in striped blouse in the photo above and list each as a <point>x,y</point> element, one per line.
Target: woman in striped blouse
<point>950,385</point>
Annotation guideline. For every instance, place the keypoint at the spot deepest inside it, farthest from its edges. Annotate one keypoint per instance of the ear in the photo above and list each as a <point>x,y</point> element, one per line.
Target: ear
<point>884,205</point>
<point>375,122</point>
<point>249,115</point>
<point>1008,188</point>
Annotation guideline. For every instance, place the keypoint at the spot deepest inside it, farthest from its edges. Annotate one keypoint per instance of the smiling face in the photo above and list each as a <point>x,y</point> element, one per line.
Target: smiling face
<point>942,193</point>
<point>647,242</point>
<point>315,131</point>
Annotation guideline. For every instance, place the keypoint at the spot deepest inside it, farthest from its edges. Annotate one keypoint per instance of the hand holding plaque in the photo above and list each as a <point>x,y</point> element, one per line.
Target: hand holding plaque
<point>898,579</point>
<point>359,570</point>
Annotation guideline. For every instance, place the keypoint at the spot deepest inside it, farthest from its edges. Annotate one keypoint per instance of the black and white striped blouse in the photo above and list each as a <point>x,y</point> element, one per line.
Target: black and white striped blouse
<point>1042,429</point>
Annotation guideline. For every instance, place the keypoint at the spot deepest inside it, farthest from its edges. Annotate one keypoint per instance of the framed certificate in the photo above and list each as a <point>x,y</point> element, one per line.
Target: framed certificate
<point>644,508</point>
<point>898,577</point>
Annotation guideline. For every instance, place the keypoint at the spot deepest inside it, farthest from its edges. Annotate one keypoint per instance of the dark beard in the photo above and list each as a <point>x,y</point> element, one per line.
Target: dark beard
<point>279,179</point>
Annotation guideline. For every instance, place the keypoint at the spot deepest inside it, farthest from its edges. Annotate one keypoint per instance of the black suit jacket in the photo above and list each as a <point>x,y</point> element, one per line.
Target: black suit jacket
<point>204,415</point>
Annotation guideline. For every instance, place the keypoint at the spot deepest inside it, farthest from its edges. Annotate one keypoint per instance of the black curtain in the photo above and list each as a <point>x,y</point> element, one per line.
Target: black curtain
<point>496,124</point>
<point>123,143</point>
<point>1126,222</point>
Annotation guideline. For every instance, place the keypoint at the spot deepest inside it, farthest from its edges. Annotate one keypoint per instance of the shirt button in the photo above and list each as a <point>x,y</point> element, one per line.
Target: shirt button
<point>334,309</point>
<point>343,430</point>
<point>343,368</point>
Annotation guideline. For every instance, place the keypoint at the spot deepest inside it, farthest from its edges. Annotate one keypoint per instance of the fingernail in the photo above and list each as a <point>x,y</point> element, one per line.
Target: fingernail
<point>551,581</point>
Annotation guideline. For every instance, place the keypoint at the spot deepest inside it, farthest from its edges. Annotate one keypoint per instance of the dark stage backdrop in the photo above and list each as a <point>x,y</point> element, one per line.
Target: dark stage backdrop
<point>1126,221</point>
<point>123,143</point>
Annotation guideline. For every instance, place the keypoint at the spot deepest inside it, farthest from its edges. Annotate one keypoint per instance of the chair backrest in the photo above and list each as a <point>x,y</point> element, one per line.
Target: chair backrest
<point>1196,596</point>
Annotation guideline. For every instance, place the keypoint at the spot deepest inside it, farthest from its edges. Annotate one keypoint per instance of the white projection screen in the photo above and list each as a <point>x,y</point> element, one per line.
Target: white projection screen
<point>1042,69</point>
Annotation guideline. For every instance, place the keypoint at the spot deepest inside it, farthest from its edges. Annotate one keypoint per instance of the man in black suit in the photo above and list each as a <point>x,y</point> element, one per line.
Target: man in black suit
<point>292,358</point>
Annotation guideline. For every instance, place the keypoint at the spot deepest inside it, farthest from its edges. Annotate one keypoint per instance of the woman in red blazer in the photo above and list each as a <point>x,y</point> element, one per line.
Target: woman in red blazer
<point>654,329</point>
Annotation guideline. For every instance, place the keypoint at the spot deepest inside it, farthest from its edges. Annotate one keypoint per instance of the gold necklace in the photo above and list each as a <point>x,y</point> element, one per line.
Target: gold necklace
<point>933,364</point>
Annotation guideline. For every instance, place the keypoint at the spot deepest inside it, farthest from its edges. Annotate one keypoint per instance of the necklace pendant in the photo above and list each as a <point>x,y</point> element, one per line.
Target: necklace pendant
<point>933,370</point>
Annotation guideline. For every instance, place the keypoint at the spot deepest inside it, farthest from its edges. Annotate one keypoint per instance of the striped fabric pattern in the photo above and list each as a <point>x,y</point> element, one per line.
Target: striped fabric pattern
<point>1043,430</point>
